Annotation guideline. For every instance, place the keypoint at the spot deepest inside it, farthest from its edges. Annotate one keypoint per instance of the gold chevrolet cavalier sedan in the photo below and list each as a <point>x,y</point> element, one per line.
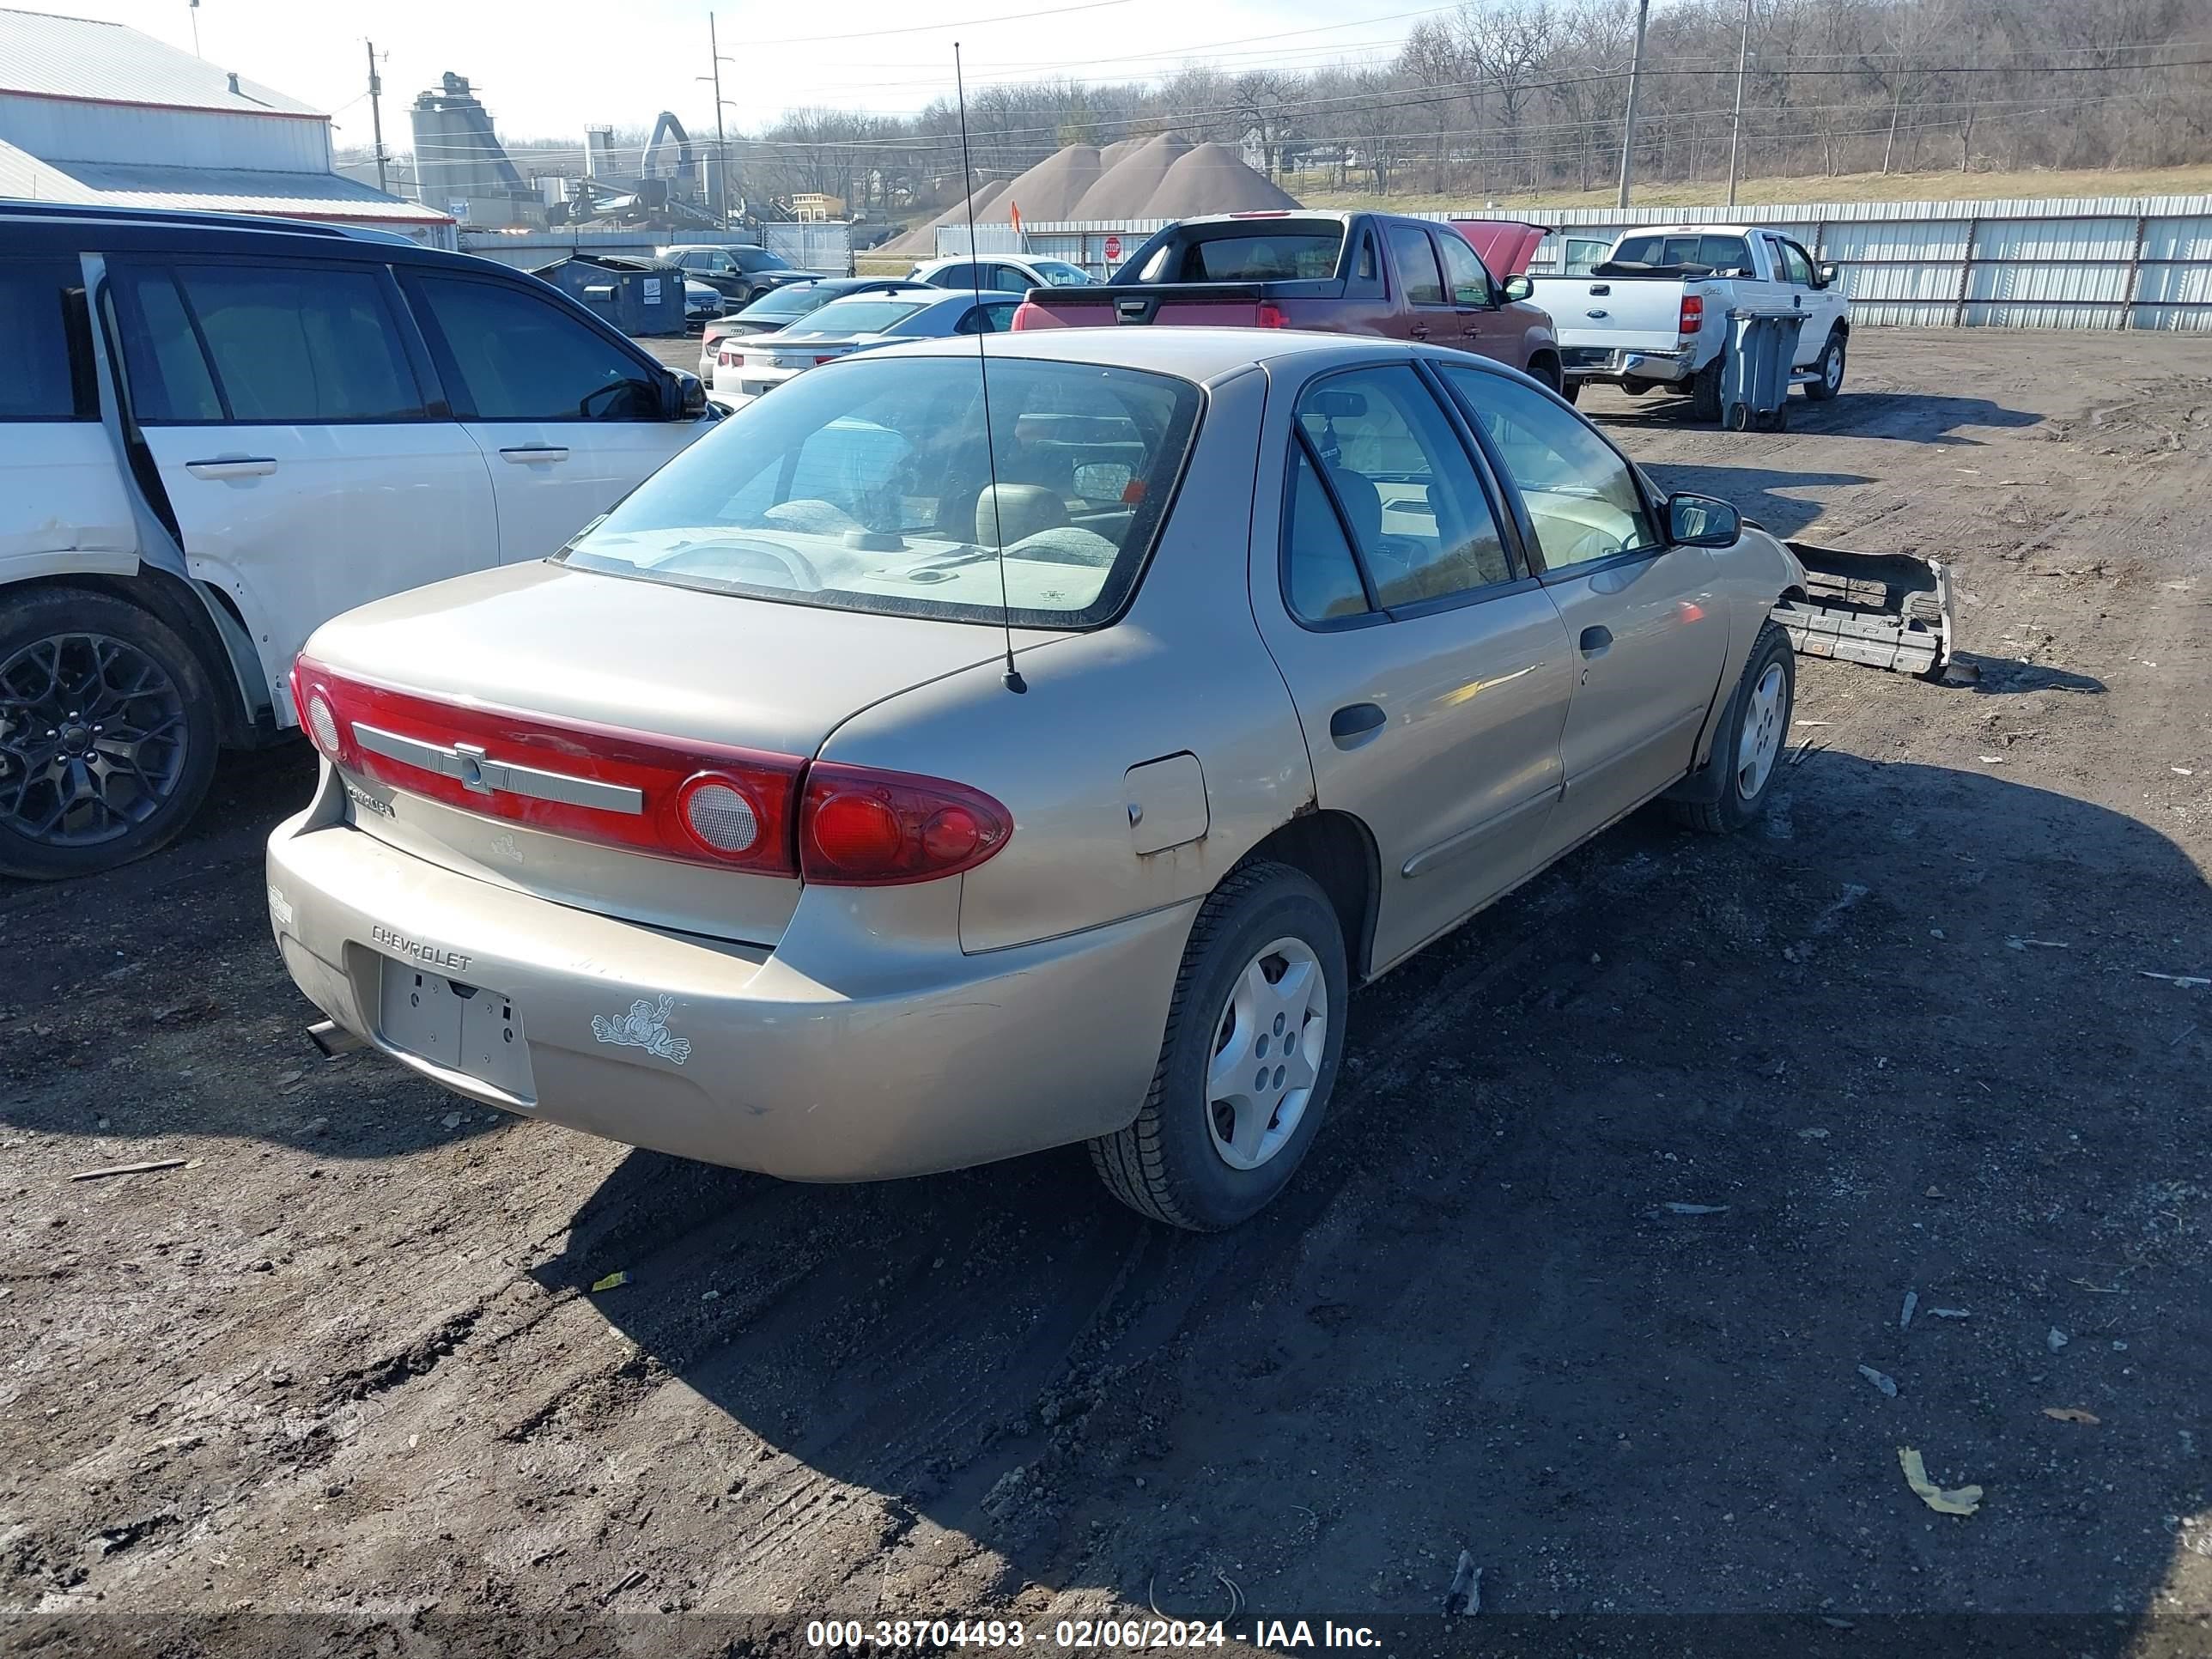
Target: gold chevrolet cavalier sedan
<point>888,786</point>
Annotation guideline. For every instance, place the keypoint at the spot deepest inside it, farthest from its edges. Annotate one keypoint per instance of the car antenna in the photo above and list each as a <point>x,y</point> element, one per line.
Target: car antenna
<point>1013,680</point>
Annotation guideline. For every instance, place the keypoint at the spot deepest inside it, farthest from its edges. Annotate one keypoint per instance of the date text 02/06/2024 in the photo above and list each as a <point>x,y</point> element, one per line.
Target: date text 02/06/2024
<point>854,1635</point>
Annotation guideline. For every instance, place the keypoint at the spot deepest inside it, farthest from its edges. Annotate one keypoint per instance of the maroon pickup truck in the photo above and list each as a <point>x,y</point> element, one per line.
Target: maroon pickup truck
<point>1342,273</point>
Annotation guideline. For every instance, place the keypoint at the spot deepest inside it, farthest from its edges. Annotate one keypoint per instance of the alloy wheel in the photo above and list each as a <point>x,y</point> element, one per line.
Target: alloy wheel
<point>93,739</point>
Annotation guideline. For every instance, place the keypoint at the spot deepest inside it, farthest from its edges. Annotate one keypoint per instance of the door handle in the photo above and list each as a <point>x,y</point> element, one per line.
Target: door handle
<point>232,466</point>
<point>1419,331</point>
<point>1354,723</point>
<point>524,454</point>
<point>1596,641</point>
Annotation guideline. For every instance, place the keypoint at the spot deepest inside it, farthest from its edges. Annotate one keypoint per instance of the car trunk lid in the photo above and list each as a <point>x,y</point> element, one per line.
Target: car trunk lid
<point>532,726</point>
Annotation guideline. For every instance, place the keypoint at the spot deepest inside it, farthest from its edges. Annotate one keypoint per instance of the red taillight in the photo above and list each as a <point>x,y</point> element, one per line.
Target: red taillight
<point>819,362</point>
<point>703,802</point>
<point>861,827</point>
<point>1693,314</point>
<point>1029,314</point>
<point>1271,315</point>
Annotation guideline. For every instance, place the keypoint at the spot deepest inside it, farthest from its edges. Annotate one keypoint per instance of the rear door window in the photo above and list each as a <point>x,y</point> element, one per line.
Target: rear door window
<point>1321,575</point>
<point>46,351</point>
<point>510,354</point>
<point>301,344</point>
<point>170,382</point>
<point>1415,257</point>
<point>960,276</point>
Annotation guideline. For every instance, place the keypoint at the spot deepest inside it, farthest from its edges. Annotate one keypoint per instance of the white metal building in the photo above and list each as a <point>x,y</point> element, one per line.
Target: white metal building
<point>99,113</point>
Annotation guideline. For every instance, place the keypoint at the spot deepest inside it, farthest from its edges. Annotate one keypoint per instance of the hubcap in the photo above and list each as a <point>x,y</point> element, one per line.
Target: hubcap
<point>1834,371</point>
<point>92,740</point>
<point>1762,722</point>
<point>1267,1048</point>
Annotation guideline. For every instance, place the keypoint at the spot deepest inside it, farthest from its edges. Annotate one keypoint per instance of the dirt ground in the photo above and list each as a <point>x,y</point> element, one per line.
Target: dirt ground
<point>1909,1039</point>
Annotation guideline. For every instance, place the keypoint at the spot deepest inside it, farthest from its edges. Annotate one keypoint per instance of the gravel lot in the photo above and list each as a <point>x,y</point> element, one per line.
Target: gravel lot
<point>1905,1038</point>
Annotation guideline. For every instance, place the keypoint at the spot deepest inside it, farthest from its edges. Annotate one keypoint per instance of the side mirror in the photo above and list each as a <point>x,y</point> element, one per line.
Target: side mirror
<point>686,397</point>
<point>1830,276</point>
<point>1702,521</point>
<point>1518,288</point>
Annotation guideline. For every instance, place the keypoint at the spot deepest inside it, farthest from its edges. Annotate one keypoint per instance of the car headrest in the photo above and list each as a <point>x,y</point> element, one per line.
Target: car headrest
<point>1007,513</point>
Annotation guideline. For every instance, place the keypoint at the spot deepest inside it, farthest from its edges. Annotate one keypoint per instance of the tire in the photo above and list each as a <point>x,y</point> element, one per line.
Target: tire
<point>1173,1164</point>
<point>1738,806</point>
<point>91,799</point>
<point>1705,393</point>
<point>1547,370</point>
<point>1572,392</point>
<point>1829,363</point>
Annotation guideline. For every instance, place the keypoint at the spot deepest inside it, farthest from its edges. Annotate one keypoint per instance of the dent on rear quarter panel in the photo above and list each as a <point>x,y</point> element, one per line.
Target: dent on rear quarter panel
<point>1182,671</point>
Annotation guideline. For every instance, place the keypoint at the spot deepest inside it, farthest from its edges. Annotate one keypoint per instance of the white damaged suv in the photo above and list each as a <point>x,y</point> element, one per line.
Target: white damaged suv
<point>218,432</point>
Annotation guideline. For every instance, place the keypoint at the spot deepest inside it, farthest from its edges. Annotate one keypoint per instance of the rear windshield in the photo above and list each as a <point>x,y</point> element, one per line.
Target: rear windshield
<point>1708,251</point>
<point>1256,255</point>
<point>868,486</point>
<point>859,316</point>
<point>794,299</point>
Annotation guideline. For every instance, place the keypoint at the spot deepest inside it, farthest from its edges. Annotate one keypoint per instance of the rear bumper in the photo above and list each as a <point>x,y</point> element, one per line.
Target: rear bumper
<point>865,1062</point>
<point>1615,364</point>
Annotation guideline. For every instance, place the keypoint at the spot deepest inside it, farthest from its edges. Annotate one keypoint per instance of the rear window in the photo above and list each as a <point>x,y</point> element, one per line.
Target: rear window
<point>869,486</point>
<point>794,299</point>
<point>1257,255</point>
<point>861,316</point>
<point>1660,248</point>
<point>46,368</point>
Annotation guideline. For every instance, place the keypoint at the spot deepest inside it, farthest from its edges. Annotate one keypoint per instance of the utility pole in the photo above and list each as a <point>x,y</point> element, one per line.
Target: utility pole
<point>721,144</point>
<point>196,27</point>
<point>1735,125</point>
<point>1635,85</point>
<point>376,114</point>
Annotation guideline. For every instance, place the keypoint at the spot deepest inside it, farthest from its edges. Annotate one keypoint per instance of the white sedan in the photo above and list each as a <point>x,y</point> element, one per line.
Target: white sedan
<point>862,323</point>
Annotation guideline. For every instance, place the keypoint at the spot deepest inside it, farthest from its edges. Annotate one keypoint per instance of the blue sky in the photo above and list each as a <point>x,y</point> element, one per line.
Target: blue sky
<point>620,64</point>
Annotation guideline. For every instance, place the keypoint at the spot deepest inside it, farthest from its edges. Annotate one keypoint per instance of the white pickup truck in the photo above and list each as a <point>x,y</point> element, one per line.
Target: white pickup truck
<point>1655,311</point>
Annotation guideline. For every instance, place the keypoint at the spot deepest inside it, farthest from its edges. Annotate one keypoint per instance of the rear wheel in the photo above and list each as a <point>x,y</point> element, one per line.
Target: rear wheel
<point>1572,392</point>
<point>1254,1035</point>
<point>107,734</point>
<point>1705,393</point>
<point>1749,743</point>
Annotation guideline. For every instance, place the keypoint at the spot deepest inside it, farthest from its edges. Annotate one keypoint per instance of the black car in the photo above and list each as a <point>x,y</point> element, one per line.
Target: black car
<point>742,274</point>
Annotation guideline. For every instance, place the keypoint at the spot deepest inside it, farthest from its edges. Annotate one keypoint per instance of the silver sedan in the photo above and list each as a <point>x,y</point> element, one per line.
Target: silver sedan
<point>873,792</point>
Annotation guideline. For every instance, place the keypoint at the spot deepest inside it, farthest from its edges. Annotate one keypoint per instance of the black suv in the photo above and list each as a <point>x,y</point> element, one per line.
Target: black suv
<point>743,274</point>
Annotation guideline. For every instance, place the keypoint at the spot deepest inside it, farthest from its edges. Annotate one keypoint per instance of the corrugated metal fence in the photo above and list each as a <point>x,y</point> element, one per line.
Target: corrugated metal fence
<point>826,248</point>
<point>2090,262</point>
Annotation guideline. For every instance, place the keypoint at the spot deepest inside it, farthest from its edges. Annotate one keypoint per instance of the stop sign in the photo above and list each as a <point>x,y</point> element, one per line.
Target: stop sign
<point>1113,248</point>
